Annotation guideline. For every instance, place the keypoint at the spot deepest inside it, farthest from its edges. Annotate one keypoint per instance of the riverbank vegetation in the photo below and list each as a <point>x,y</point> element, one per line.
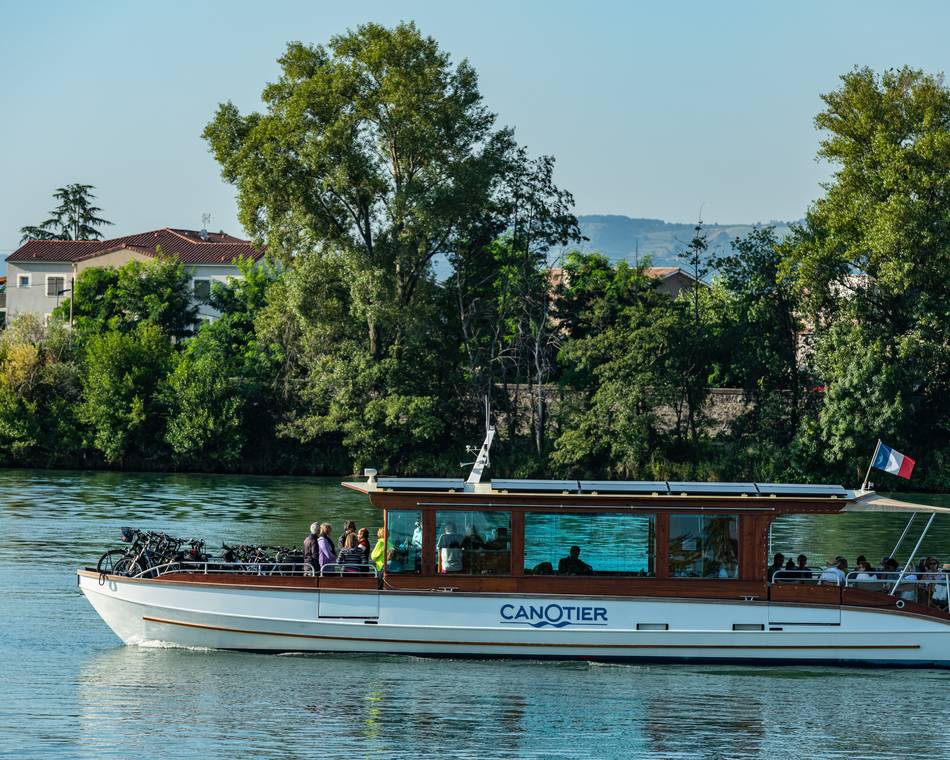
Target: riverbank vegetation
<point>408,275</point>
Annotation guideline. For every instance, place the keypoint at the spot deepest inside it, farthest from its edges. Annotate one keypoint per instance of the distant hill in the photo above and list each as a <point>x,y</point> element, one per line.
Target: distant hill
<point>617,237</point>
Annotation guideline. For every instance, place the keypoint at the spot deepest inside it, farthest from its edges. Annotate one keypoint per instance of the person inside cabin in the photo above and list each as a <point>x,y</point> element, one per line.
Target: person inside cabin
<point>396,560</point>
<point>802,568</point>
<point>832,575</point>
<point>730,568</point>
<point>417,535</point>
<point>572,564</point>
<point>363,541</point>
<point>350,558</point>
<point>543,568</point>
<point>449,548</point>
<point>378,555</point>
<point>778,563</point>
<point>326,555</point>
<point>350,527</point>
<point>500,541</point>
<point>311,549</point>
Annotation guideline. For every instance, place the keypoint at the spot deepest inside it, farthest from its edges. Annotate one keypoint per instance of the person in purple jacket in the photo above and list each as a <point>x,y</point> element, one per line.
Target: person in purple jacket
<point>326,554</point>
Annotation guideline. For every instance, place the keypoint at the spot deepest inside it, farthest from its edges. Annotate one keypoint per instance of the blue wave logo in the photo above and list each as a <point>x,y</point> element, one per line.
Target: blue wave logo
<point>553,615</point>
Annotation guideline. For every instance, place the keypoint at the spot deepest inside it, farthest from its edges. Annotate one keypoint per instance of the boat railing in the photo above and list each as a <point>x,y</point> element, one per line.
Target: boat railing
<point>348,568</point>
<point>212,567</point>
<point>906,585</point>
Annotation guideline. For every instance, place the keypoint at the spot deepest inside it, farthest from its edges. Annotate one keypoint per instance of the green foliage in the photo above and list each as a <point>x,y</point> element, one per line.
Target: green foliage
<point>121,391</point>
<point>75,218</point>
<point>152,292</point>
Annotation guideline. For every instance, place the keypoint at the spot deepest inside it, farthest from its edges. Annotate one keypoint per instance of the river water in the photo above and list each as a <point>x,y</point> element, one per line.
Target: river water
<point>72,691</point>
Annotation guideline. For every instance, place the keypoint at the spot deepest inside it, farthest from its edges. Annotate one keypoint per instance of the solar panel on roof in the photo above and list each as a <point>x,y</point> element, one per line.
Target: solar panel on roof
<point>624,486</point>
<point>800,489</point>
<point>712,489</point>
<point>422,484</point>
<point>535,486</point>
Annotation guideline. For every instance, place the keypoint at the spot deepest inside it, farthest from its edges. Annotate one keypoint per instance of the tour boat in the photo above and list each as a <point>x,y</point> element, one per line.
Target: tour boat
<point>567,569</point>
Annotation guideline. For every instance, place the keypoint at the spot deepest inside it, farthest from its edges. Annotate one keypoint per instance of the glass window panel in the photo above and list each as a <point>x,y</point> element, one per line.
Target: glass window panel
<point>202,290</point>
<point>404,541</point>
<point>54,286</point>
<point>473,543</point>
<point>704,546</point>
<point>589,544</point>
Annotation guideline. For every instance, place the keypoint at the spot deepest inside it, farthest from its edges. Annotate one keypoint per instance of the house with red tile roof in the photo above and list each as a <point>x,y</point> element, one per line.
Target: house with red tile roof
<point>40,272</point>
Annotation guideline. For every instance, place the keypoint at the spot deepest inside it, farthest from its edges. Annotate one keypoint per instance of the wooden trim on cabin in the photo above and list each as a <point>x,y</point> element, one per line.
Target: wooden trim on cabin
<point>516,534</point>
<point>428,542</point>
<point>661,550</point>
<point>427,500</point>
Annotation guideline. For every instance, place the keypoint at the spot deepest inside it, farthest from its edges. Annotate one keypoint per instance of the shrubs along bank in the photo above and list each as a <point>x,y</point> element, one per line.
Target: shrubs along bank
<point>343,349</point>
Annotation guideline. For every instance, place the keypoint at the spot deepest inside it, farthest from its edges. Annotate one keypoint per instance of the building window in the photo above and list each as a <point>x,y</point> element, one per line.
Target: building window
<point>473,543</point>
<point>55,286</point>
<point>202,290</point>
<point>23,281</point>
<point>403,541</point>
<point>589,544</point>
<point>704,546</point>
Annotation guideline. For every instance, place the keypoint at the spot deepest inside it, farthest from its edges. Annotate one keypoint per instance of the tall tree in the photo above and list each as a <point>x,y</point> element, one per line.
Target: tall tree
<point>377,145</point>
<point>75,218</point>
<point>872,260</point>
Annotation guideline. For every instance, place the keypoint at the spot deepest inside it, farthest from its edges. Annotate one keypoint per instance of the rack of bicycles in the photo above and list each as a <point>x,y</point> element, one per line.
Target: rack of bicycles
<point>148,554</point>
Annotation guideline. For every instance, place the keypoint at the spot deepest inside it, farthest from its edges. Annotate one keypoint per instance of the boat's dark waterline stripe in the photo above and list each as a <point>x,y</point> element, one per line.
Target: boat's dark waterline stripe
<point>203,626</point>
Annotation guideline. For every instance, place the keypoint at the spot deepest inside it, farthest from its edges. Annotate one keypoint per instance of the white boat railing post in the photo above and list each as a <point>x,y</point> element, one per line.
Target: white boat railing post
<point>903,536</point>
<point>913,554</point>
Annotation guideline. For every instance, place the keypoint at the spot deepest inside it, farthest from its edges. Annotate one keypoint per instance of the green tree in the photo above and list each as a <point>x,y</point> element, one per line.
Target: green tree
<point>872,261</point>
<point>153,292</point>
<point>377,145</point>
<point>39,395</point>
<point>75,218</point>
<point>121,405</point>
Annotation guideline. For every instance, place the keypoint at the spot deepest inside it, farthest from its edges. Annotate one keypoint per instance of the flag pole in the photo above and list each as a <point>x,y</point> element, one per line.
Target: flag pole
<point>868,473</point>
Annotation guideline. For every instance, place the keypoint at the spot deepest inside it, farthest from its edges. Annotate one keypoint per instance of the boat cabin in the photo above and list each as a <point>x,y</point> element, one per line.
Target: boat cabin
<point>586,536</point>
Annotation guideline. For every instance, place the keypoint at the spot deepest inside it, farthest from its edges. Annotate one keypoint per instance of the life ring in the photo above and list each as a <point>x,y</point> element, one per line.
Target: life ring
<point>900,604</point>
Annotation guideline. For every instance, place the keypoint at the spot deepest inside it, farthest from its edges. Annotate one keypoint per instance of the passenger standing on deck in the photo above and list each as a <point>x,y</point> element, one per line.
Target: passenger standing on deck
<point>363,537</point>
<point>326,554</point>
<point>379,551</point>
<point>311,549</point>
<point>350,527</point>
<point>449,547</point>
<point>351,555</point>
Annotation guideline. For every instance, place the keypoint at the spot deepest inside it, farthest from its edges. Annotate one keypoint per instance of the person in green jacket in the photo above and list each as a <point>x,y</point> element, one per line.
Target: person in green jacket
<point>380,551</point>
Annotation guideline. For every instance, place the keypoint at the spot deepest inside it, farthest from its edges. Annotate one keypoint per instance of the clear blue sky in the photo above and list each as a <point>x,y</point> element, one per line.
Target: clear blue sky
<point>651,109</point>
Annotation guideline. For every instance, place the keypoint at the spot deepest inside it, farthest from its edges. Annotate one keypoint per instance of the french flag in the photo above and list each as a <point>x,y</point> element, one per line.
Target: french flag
<point>892,461</point>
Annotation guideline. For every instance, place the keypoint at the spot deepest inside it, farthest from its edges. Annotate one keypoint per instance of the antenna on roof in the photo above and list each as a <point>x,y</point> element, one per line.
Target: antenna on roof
<point>481,461</point>
<point>205,221</point>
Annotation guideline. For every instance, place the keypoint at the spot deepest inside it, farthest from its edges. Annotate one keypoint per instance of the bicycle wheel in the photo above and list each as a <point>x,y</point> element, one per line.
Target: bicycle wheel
<point>109,560</point>
<point>127,566</point>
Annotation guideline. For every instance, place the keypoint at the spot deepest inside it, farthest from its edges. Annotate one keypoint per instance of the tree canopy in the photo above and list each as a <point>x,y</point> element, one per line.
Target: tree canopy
<point>75,218</point>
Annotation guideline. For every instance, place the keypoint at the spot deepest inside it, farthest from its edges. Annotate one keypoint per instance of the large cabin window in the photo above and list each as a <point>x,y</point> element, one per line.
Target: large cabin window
<point>588,544</point>
<point>403,541</point>
<point>704,546</point>
<point>473,543</point>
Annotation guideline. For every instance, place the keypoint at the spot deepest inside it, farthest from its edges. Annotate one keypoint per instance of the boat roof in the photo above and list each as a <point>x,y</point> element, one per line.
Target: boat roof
<point>836,497</point>
<point>603,487</point>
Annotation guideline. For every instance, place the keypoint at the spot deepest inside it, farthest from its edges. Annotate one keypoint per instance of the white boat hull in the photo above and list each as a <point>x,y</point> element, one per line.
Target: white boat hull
<point>445,623</point>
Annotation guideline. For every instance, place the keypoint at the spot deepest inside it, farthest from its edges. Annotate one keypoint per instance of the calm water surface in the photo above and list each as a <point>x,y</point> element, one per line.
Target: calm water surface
<point>71,690</point>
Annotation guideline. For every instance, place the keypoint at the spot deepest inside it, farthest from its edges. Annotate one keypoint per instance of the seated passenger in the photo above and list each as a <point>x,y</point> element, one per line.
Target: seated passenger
<point>543,568</point>
<point>350,527</point>
<point>396,561</point>
<point>802,568</point>
<point>500,541</point>
<point>449,548</point>
<point>573,564</point>
<point>832,575</point>
<point>865,575</point>
<point>778,563</point>
<point>932,576</point>
<point>350,558</point>
<point>729,569</point>
<point>939,595</point>
<point>472,539</point>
